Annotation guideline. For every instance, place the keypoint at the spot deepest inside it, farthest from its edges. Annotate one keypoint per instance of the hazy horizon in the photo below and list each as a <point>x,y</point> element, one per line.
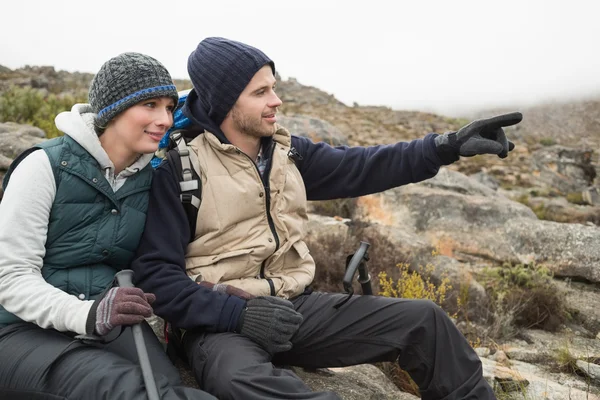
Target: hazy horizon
<point>443,57</point>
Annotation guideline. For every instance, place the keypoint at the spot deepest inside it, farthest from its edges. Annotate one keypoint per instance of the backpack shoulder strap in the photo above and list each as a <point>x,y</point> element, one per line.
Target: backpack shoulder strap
<point>190,183</point>
<point>16,162</point>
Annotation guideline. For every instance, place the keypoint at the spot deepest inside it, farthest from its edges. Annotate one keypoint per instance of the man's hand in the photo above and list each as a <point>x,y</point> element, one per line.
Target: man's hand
<point>482,136</point>
<point>271,322</point>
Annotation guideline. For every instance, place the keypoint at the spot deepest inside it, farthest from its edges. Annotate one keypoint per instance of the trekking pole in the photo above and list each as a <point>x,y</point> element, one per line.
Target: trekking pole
<point>356,261</point>
<point>125,279</point>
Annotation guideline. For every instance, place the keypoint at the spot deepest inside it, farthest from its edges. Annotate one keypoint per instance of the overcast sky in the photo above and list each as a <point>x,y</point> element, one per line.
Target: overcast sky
<point>443,56</point>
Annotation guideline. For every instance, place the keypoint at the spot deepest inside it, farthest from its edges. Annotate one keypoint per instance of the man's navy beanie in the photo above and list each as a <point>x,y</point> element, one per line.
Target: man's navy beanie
<point>220,69</point>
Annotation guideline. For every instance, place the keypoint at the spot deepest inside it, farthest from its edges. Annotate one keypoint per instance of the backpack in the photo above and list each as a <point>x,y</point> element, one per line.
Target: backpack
<point>190,183</point>
<point>173,147</point>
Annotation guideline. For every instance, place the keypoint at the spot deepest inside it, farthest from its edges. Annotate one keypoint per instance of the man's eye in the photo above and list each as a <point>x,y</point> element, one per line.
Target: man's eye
<point>260,92</point>
<point>150,104</point>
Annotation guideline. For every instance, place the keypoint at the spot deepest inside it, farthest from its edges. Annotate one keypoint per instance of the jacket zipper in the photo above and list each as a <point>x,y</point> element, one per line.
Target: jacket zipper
<point>265,180</point>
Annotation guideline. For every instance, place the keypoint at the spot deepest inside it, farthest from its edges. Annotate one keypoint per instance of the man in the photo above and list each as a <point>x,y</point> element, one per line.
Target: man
<point>240,290</point>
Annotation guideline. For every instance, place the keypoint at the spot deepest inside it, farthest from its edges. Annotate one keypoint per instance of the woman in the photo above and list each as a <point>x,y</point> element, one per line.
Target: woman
<point>72,214</point>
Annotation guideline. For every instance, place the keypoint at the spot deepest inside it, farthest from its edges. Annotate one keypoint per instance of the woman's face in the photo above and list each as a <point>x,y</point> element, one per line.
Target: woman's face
<point>142,126</point>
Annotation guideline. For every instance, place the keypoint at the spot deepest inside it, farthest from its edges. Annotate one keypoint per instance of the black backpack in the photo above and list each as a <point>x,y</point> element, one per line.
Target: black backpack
<point>190,182</point>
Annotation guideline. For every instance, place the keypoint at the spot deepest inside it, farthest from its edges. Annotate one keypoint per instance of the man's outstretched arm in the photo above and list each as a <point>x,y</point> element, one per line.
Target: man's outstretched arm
<point>337,172</point>
<point>159,264</point>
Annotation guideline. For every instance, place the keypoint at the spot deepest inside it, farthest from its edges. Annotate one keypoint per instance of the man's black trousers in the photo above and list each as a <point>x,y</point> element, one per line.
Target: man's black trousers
<point>416,333</point>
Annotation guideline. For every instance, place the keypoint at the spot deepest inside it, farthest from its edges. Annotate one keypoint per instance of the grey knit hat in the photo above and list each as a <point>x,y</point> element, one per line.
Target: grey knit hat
<point>220,69</point>
<point>124,81</point>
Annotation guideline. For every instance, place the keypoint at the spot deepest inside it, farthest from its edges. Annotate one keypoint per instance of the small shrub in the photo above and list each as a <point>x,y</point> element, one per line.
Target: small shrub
<point>565,361</point>
<point>414,285</point>
<point>399,377</point>
<point>547,142</point>
<point>523,296</point>
<point>576,198</point>
<point>34,107</point>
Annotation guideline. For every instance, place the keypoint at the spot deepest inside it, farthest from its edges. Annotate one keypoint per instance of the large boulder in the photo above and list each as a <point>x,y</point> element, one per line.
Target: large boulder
<point>563,168</point>
<point>14,139</point>
<point>472,223</point>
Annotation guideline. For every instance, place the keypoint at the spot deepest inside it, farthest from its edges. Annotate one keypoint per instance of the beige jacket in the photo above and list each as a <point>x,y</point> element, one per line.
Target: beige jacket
<point>245,236</point>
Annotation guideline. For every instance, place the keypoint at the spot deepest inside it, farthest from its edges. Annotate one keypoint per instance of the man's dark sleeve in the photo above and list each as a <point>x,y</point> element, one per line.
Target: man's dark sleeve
<point>338,172</point>
<point>159,264</point>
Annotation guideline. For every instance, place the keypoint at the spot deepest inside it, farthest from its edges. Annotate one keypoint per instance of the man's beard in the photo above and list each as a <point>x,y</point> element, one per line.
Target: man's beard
<point>249,125</point>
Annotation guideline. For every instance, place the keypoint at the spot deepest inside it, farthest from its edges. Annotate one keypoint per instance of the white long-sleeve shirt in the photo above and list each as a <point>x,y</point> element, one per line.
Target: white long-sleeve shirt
<point>24,217</point>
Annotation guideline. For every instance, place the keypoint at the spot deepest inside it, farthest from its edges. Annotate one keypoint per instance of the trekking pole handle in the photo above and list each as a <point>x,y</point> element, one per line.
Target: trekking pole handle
<point>356,260</point>
<point>125,279</point>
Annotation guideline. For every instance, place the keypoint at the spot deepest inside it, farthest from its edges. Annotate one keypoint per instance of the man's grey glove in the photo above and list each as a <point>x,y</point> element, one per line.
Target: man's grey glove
<point>482,136</point>
<point>271,322</point>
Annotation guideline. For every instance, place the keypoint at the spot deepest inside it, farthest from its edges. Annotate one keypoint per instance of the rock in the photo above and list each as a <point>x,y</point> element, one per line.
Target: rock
<point>16,138</point>
<point>447,179</point>
<point>313,128</point>
<point>354,383</point>
<point>527,355</point>
<point>482,351</point>
<point>320,225</point>
<point>569,250</point>
<point>471,223</point>
<point>559,209</point>
<point>500,357</point>
<point>526,381</point>
<point>582,301</point>
<point>566,169</point>
<point>589,369</point>
<point>577,346</point>
<point>486,179</point>
<point>4,162</point>
<point>591,196</point>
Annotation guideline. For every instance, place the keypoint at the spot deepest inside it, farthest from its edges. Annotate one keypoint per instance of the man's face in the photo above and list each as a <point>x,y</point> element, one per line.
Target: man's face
<point>254,113</point>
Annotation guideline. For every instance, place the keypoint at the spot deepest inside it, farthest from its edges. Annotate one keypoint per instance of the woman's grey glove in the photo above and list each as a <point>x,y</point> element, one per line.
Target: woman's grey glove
<point>482,136</point>
<point>271,322</point>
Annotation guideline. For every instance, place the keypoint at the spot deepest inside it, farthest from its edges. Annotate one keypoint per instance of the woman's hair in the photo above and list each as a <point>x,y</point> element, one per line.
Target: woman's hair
<point>99,129</point>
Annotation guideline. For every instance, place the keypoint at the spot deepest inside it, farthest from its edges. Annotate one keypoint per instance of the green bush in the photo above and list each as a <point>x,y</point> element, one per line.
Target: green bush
<point>34,107</point>
<point>576,198</point>
<point>547,142</point>
<point>525,295</point>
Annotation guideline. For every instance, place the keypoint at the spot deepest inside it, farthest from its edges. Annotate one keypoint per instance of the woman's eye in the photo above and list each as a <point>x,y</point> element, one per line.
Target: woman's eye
<point>150,104</point>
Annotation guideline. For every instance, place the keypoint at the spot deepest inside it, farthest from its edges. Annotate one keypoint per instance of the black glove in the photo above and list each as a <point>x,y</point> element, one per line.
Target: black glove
<point>482,136</point>
<point>271,322</point>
